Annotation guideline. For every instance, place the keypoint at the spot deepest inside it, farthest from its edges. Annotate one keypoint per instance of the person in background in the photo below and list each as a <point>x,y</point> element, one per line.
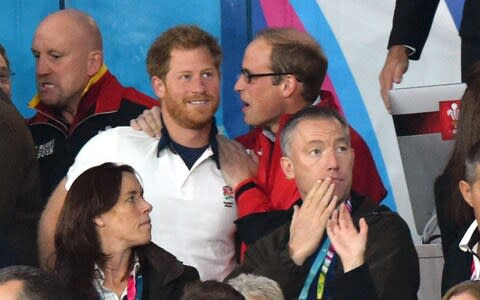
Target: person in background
<point>5,73</point>
<point>210,290</point>
<point>467,290</point>
<point>20,201</point>
<point>102,241</point>
<point>254,287</point>
<point>453,213</point>
<point>30,283</point>
<point>461,260</point>
<point>412,21</point>
<point>77,96</point>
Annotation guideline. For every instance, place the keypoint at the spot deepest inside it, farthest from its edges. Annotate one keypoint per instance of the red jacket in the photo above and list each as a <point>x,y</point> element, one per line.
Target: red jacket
<point>270,190</point>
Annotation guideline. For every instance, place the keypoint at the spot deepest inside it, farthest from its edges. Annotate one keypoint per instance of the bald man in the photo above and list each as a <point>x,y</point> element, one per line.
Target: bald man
<point>77,96</point>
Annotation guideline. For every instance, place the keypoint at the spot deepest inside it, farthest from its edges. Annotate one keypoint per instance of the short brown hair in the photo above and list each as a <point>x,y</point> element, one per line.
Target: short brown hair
<point>179,37</point>
<point>298,53</point>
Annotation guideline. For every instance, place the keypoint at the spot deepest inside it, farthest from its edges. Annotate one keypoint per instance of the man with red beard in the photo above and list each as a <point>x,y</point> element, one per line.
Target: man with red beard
<point>193,209</point>
<point>77,95</point>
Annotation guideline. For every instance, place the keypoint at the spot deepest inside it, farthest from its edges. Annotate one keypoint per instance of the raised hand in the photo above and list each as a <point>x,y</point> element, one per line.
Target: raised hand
<point>395,66</point>
<point>349,243</point>
<point>309,221</point>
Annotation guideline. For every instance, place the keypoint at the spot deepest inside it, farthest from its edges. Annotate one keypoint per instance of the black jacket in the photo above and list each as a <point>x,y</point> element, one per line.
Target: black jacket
<point>391,270</point>
<point>164,276</point>
<point>20,203</point>
<point>413,19</point>
<point>107,104</point>
<point>457,266</point>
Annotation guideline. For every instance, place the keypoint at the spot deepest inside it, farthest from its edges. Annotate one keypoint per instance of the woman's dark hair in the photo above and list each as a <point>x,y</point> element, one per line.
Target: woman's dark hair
<point>453,213</point>
<point>77,243</point>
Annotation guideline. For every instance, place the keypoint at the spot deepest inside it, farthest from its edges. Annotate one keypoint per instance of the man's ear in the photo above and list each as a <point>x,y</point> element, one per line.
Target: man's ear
<point>289,85</point>
<point>466,190</point>
<point>95,61</point>
<point>287,167</point>
<point>99,221</point>
<point>158,87</point>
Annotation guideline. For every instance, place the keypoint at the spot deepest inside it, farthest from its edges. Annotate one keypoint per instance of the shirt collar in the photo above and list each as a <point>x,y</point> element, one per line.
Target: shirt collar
<point>470,238</point>
<point>100,276</point>
<point>166,141</point>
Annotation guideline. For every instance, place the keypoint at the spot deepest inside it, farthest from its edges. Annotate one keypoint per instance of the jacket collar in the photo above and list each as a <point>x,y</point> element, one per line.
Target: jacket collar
<point>470,238</point>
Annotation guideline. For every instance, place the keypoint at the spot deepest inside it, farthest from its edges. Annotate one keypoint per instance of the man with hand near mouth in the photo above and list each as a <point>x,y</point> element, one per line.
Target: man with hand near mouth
<point>378,261</point>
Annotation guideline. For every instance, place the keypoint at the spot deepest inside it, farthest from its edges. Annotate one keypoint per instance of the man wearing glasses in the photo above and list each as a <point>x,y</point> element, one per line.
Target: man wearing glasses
<point>282,72</point>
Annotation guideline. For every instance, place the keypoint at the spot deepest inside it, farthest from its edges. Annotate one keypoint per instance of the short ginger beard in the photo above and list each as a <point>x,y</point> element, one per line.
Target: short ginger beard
<point>187,118</point>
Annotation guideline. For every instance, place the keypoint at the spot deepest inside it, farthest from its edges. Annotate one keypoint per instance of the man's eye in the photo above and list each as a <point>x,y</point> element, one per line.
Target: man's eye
<point>342,148</point>
<point>315,152</point>
<point>186,77</point>
<point>207,74</point>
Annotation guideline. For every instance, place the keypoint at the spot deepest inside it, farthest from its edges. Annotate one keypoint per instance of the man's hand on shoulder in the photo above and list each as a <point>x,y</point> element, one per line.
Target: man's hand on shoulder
<point>309,221</point>
<point>149,122</point>
<point>237,163</point>
<point>395,66</point>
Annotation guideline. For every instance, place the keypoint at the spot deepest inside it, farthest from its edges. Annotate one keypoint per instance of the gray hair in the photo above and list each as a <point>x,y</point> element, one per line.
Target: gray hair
<point>309,113</point>
<point>250,285</point>
<point>471,163</point>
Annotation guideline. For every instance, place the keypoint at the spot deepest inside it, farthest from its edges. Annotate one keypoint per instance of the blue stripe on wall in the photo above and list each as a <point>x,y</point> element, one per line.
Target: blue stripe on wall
<point>235,30</point>
<point>346,88</point>
<point>258,18</point>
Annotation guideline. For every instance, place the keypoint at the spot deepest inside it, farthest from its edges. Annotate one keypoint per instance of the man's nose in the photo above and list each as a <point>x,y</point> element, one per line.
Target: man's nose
<point>332,160</point>
<point>198,84</point>
<point>42,66</point>
<point>240,83</point>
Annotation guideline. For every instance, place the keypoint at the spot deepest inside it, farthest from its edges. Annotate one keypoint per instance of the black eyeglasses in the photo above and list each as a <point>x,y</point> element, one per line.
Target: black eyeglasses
<point>249,76</point>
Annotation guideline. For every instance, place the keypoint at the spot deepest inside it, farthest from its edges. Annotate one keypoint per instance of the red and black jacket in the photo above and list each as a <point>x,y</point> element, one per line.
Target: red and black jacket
<point>105,104</point>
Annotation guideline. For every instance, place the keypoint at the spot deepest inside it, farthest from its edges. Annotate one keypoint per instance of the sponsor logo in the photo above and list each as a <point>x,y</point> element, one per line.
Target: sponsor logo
<point>46,149</point>
<point>228,196</point>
